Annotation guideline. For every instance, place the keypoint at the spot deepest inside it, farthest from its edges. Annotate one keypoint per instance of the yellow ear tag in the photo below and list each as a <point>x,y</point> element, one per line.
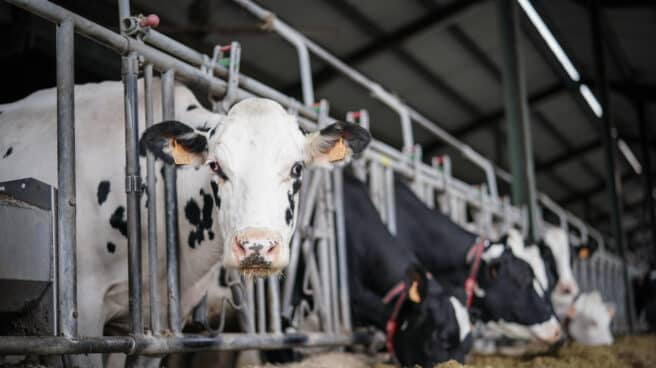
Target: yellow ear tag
<point>413,293</point>
<point>584,253</point>
<point>179,154</point>
<point>338,152</point>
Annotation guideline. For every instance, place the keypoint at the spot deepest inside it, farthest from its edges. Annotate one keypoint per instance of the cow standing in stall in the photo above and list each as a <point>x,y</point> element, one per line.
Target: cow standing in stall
<point>392,291</point>
<point>504,288</point>
<point>238,197</point>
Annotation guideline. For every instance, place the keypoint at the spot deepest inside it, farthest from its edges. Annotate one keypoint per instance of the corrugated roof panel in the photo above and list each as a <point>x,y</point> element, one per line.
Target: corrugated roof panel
<point>568,118</point>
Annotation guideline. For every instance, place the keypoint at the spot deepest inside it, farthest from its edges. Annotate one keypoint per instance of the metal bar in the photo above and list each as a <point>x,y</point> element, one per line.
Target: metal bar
<point>646,167</point>
<point>609,138</point>
<point>133,189</point>
<point>66,202</point>
<point>275,324</point>
<point>321,226</point>
<point>260,302</point>
<point>150,345</point>
<point>171,205</point>
<point>340,227</point>
<point>332,250</point>
<point>152,207</point>
<point>519,132</point>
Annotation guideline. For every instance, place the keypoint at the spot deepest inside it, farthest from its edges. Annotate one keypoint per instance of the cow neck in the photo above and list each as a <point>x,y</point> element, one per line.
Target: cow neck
<point>567,321</point>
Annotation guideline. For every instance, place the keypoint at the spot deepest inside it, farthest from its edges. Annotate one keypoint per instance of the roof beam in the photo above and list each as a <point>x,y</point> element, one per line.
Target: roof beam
<point>570,154</point>
<point>592,190</point>
<point>618,4</point>
<point>441,16</point>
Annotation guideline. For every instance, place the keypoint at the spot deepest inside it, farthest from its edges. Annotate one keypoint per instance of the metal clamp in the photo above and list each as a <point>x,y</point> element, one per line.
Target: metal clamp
<point>138,26</point>
<point>133,183</point>
<point>232,64</point>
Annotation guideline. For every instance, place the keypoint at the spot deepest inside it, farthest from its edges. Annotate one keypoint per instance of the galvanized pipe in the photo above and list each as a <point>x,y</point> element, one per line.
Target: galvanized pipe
<point>130,71</point>
<point>66,202</point>
<point>261,305</point>
<point>152,207</point>
<point>150,345</point>
<point>171,206</point>
<point>340,227</point>
<point>275,325</point>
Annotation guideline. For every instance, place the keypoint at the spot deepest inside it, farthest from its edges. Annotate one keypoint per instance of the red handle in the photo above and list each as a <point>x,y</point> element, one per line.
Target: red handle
<point>151,21</point>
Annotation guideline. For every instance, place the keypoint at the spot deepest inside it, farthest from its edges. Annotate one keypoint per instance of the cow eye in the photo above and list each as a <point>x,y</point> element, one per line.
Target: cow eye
<point>296,170</point>
<point>216,168</point>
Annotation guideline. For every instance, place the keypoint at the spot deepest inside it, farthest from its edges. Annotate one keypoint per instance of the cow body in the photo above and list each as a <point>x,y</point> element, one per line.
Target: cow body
<point>29,128</point>
<point>430,330</point>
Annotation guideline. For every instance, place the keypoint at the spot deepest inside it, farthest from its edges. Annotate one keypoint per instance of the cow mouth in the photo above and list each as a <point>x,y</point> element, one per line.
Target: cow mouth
<point>256,266</point>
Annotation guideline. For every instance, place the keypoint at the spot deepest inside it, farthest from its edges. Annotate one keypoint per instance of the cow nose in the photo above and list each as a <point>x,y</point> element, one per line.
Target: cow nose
<point>256,250</point>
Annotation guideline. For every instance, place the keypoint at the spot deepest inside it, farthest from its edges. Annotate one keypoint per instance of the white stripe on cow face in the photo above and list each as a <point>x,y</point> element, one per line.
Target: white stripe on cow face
<point>464,324</point>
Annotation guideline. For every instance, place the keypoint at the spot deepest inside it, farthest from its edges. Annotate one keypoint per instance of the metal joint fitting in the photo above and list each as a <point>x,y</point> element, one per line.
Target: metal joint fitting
<point>133,183</point>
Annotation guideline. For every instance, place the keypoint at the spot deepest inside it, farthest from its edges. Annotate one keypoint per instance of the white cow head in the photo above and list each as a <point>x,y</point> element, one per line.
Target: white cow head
<point>257,155</point>
<point>590,320</point>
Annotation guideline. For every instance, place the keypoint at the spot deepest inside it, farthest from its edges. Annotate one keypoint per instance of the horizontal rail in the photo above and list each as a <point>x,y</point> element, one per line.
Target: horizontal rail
<point>151,345</point>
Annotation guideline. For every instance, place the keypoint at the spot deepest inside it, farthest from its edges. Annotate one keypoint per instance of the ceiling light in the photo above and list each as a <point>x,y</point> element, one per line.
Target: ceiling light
<point>549,38</point>
<point>629,156</point>
<point>591,100</point>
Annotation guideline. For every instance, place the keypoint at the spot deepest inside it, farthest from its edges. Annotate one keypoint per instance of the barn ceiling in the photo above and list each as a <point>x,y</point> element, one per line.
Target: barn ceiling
<point>441,57</point>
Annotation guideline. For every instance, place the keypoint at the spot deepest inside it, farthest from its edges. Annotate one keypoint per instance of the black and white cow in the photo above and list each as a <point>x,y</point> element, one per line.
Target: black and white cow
<point>432,326</point>
<point>507,291</point>
<point>238,198</point>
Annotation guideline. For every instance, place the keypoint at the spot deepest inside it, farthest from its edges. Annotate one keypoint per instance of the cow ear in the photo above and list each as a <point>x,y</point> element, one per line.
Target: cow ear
<point>175,142</point>
<point>336,144</point>
<point>417,284</point>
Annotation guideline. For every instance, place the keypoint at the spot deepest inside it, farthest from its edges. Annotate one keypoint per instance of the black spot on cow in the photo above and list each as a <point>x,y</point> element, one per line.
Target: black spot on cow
<point>289,216</point>
<point>215,192</point>
<point>212,132</point>
<point>111,247</point>
<point>302,130</point>
<point>201,219</point>
<point>296,186</point>
<point>103,191</point>
<point>8,152</point>
<point>192,107</point>
<point>162,171</point>
<point>118,221</point>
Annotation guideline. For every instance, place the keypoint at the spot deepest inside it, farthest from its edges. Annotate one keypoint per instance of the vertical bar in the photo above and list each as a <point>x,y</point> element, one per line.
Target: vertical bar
<point>275,324</point>
<point>516,106</point>
<point>645,133</point>
<point>66,202</point>
<point>171,205</point>
<point>332,251</point>
<point>261,308</point>
<point>389,198</point>
<point>250,303</point>
<point>321,224</point>
<point>610,148</point>
<point>133,189</point>
<point>152,207</point>
<point>340,224</point>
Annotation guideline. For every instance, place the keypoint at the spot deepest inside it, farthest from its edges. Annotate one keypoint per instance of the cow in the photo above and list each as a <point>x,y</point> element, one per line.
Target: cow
<point>586,318</point>
<point>431,325</point>
<point>237,187</point>
<point>507,290</point>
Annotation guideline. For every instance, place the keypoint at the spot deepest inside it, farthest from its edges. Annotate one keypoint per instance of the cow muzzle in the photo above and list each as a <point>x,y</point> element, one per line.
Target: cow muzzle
<point>256,251</point>
<point>549,332</point>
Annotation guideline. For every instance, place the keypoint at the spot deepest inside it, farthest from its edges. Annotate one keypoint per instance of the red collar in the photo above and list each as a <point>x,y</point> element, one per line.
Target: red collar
<point>390,327</point>
<point>474,258</point>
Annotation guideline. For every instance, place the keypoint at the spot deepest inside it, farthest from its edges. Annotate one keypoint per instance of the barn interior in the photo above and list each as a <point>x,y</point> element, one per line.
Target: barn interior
<point>585,76</point>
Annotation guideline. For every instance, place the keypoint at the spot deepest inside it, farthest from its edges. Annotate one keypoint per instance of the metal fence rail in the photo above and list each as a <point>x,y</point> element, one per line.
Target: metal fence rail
<point>319,242</point>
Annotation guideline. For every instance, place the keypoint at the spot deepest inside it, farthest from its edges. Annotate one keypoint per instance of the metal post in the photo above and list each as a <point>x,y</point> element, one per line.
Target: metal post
<point>344,296</point>
<point>516,105</point>
<point>152,207</point>
<point>133,189</point>
<point>646,167</point>
<point>66,202</point>
<point>610,143</point>
<point>275,324</point>
<point>171,205</point>
<point>261,308</point>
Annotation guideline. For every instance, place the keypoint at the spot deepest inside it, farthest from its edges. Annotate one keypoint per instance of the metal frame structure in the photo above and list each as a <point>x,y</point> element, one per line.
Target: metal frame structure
<point>320,239</point>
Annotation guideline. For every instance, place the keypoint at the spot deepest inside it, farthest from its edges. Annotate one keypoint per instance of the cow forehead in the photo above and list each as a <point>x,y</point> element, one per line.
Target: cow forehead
<point>259,129</point>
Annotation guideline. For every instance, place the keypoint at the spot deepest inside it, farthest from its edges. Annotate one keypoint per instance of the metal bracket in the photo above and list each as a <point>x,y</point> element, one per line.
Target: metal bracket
<point>232,64</point>
<point>133,183</point>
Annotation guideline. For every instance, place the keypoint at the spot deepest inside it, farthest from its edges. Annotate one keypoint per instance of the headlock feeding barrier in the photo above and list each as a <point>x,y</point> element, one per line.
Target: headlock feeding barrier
<point>319,242</point>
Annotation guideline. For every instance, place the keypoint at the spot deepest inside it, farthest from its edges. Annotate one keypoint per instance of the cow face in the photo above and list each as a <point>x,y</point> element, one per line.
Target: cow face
<point>257,155</point>
<point>555,239</point>
<point>432,327</point>
<point>590,320</point>
<point>510,294</point>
